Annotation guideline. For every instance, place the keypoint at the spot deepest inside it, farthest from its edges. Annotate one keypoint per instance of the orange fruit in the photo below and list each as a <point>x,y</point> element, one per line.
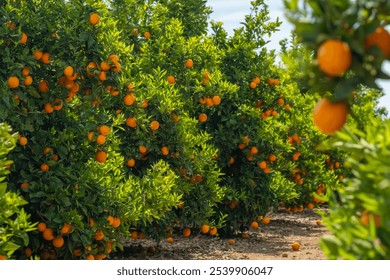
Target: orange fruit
<point>170,240</point>
<point>144,104</point>
<point>366,217</point>
<point>231,160</point>
<point>24,38</point>
<point>48,234</point>
<point>209,102</point>
<point>154,125</point>
<point>116,67</point>
<point>43,86</point>
<point>25,71</point>
<point>110,220</point>
<point>101,139</point>
<point>13,82</point>
<point>23,141</point>
<point>147,35</point>
<point>46,58</point>
<point>99,235</point>
<point>231,242</point>
<point>262,165</point>
<point>189,63</point>
<point>3,258</point>
<point>113,57</point>
<point>164,151</point>
<point>117,222</point>
<point>28,252</point>
<point>295,246</point>
<point>142,149</point>
<point>202,117</point>
<point>310,206</point>
<point>213,231</point>
<point>266,220</point>
<point>41,227</point>
<point>216,100</point>
<point>280,101</point>
<point>254,150</point>
<point>171,80</point>
<point>255,225</point>
<point>28,81</point>
<point>24,185</point>
<point>245,235</point>
<point>204,229</point>
<point>102,76</point>
<point>272,158</point>
<point>129,99</point>
<point>91,66</point>
<point>252,85</point>
<point>91,222</point>
<point>105,66</point>
<point>38,54</point>
<point>130,162</point>
<point>101,156</point>
<point>48,108</point>
<point>104,130</point>
<point>186,232</point>
<point>68,71</point>
<point>58,242</point>
<point>57,104</point>
<point>267,170</point>
<point>380,38</point>
<point>256,80</point>
<point>77,252</point>
<point>44,167</point>
<point>65,229</point>
<point>90,257</point>
<point>91,136</point>
<point>330,117</point>
<point>94,19</point>
<point>132,122</point>
<point>334,57</point>
<point>318,222</point>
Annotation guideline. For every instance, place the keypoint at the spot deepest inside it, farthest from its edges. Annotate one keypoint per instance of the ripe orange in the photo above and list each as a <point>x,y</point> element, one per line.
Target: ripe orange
<point>99,235</point>
<point>101,139</point>
<point>245,235</point>
<point>280,101</point>
<point>380,38</point>
<point>101,156</point>
<point>24,185</point>
<point>129,99</point>
<point>104,130</point>
<point>46,58</point>
<point>58,242</point>
<point>65,229</point>
<point>334,57</point>
<point>13,82</point>
<point>295,246</point>
<point>170,240</point>
<point>110,220</point>
<point>254,150</point>
<point>209,102</point>
<point>57,104</point>
<point>204,229</point>
<point>310,206</point>
<point>189,63</point>
<point>130,162</point>
<point>252,85</point>
<point>48,234</point>
<point>38,54</point>
<point>186,232</point>
<point>256,80</point>
<point>116,67</point>
<point>23,141</point>
<point>90,257</point>
<point>231,242</point>
<point>48,108</point>
<point>105,66</point>
<point>28,252</point>
<point>25,71</point>
<point>202,117</point>
<point>318,222</point>
<point>68,71</point>
<point>102,76</point>
<point>231,160</point>
<point>216,100</point>
<point>43,86</point>
<point>171,80</point>
<point>272,158</point>
<point>28,81</point>
<point>213,231</point>
<point>44,167</point>
<point>144,104</point>
<point>147,35</point>
<point>263,165</point>
<point>117,222</point>
<point>91,222</point>
<point>154,125</point>
<point>113,57</point>
<point>24,38</point>
<point>91,66</point>
<point>132,122</point>
<point>142,149</point>
<point>164,151</point>
<point>94,19</point>
<point>3,258</point>
<point>266,220</point>
<point>255,225</point>
<point>366,217</point>
<point>330,117</point>
<point>41,227</point>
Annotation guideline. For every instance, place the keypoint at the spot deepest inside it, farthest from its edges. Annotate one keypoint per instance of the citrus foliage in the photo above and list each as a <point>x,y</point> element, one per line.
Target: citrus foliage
<point>360,222</point>
<point>14,221</point>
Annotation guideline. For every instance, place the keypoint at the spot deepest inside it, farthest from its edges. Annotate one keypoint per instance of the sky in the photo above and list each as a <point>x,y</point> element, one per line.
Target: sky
<point>232,12</point>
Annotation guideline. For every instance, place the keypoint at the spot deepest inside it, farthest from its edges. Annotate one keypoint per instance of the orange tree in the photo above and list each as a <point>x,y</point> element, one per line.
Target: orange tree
<point>350,44</point>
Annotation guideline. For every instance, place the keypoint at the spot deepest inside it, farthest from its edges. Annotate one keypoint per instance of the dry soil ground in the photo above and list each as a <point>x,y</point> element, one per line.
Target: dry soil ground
<point>271,242</point>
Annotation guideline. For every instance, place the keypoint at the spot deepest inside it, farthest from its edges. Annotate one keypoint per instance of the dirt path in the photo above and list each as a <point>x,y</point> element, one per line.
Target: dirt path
<point>272,242</point>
